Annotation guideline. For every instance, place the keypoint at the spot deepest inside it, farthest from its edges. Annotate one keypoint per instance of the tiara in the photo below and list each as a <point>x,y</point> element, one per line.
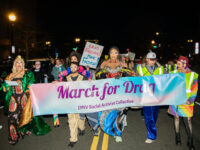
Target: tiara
<point>19,57</point>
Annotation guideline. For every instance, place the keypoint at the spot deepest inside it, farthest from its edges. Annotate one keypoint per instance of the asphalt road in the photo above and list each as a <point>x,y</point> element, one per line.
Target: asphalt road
<point>133,136</point>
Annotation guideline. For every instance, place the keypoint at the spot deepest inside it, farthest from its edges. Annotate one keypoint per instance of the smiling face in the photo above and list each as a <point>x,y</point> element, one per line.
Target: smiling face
<point>74,68</point>
<point>114,54</point>
<point>19,65</point>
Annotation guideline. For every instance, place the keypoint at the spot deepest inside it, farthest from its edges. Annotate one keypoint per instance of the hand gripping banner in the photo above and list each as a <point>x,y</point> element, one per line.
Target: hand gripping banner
<point>99,95</point>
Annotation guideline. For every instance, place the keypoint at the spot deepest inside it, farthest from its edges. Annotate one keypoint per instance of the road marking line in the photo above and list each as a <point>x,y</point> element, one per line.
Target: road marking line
<point>105,142</point>
<point>95,141</point>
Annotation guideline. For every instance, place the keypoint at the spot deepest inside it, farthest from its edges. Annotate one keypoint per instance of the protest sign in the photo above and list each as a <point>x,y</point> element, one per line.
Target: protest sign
<point>91,55</point>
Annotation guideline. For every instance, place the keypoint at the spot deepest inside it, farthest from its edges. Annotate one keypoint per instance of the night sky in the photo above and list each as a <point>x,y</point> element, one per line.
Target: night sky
<point>122,24</point>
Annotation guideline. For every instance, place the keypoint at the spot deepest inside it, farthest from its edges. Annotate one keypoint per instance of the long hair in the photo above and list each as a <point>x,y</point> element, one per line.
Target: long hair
<point>117,49</point>
<point>18,58</point>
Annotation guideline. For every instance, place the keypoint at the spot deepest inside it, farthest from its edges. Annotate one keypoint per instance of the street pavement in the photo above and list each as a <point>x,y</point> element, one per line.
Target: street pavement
<point>133,136</point>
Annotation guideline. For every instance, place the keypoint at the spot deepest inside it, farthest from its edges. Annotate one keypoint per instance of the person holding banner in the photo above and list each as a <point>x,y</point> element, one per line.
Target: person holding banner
<point>127,60</point>
<point>75,57</point>
<point>55,72</point>
<point>186,110</point>
<point>57,69</point>
<point>170,66</point>
<point>151,67</point>
<point>77,121</point>
<point>113,68</point>
<point>18,104</point>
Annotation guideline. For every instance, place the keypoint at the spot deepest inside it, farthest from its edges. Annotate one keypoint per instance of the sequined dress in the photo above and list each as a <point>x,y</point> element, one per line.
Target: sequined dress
<point>17,103</point>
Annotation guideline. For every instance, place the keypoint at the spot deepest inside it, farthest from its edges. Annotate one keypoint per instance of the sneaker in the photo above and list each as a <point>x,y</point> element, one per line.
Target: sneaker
<point>1,107</point>
<point>71,144</point>
<point>118,139</point>
<point>1,126</point>
<point>96,134</point>
<point>149,141</point>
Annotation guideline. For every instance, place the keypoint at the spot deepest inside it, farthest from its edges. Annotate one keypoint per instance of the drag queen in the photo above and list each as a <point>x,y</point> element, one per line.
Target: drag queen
<point>16,100</point>
<point>185,111</point>
<point>112,68</point>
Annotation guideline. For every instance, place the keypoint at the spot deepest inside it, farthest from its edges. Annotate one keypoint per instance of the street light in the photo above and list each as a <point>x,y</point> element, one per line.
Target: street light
<point>48,43</point>
<point>77,40</point>
<point>189,41</point>
<point>153,42</point>
<point>12,18</point>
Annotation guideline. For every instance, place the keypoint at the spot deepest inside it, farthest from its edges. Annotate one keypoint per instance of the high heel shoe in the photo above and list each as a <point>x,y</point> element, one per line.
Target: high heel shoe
<point>178,139</point>
<point>56,125</point>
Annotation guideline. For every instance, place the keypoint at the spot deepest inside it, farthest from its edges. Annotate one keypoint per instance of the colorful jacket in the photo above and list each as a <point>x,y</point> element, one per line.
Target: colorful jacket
<point>191,79</point>
<point>81,70</point>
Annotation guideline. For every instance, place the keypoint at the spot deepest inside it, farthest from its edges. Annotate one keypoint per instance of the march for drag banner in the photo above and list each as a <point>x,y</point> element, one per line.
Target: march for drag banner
<point>104,94</point>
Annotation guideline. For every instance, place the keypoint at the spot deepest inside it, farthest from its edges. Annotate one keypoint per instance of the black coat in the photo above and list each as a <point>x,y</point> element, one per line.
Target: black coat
<point>39,76</point>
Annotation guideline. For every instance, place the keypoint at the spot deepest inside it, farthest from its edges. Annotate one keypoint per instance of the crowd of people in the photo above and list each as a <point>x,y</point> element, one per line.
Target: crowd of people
<point>114,66</point>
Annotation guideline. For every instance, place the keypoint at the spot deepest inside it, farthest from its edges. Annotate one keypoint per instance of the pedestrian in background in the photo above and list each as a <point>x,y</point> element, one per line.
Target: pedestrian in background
<point>38,73</point>
<point>57,69</point>
<point>50,67</point>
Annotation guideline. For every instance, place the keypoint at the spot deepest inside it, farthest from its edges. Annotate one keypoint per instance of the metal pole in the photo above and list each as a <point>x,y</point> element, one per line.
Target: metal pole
<point>11,40</point>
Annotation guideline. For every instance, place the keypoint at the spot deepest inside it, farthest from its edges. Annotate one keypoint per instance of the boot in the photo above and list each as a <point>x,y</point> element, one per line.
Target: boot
<point>71,144</point>
<point>178,138</point>
<point>81,132</point>
<point>190,144</point>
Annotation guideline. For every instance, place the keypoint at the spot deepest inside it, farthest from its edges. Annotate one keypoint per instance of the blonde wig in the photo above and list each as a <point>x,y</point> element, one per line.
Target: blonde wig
<point>18,58</point>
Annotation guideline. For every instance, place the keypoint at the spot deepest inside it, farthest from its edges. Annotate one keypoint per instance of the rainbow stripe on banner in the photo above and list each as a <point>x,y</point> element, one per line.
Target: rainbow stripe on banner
<point>99,95</point>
